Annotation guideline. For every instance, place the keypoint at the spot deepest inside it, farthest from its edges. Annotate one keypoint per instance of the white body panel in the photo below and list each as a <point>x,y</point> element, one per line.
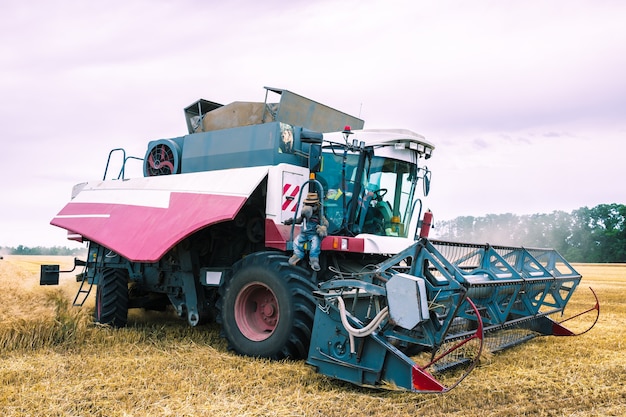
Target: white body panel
<point>284,183</point>
<point>384,244</point>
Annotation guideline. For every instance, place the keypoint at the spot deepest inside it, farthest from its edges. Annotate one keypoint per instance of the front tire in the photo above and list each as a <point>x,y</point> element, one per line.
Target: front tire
<point>266,307</point>
<point>112,298</point>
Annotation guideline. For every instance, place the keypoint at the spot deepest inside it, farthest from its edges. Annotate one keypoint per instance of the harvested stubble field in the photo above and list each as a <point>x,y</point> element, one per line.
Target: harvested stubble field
<point>55,362</point>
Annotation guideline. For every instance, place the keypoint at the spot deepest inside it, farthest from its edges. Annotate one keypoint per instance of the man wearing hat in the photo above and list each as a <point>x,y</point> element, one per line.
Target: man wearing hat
<point>315,227</point>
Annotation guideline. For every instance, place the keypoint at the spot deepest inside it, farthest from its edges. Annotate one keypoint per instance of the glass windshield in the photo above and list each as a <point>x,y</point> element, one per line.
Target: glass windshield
<point>383,205</point>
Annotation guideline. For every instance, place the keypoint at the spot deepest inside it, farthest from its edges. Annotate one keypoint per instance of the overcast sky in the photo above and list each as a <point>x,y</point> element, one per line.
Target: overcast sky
<point>525,101</point>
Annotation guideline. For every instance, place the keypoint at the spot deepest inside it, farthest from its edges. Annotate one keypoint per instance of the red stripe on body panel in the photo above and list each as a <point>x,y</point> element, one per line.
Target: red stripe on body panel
<point>290,192</point>
<point>145,234</point>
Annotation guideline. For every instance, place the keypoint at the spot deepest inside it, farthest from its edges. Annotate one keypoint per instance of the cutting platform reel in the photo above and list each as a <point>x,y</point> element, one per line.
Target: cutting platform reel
<point>520,292</point>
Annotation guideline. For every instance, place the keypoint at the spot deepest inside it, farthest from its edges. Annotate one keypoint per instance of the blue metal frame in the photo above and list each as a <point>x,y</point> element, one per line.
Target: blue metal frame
<point>467,285</point>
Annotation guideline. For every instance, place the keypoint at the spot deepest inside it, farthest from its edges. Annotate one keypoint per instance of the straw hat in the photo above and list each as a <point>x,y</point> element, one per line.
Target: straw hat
<point>311,198</point>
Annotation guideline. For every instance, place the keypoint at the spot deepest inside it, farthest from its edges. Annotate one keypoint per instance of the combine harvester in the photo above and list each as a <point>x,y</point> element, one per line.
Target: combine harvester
<point>210,229</point>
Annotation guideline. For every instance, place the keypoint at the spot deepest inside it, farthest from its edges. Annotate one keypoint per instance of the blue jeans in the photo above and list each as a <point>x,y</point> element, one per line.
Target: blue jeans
<point>314,247</point>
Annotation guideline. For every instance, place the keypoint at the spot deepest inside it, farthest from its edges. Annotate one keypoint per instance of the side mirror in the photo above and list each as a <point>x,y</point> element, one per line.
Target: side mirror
<point>315,157</point>
<point>427,175</point>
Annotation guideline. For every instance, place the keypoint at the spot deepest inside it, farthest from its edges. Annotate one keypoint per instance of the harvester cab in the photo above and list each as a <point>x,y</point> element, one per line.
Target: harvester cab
<point>370,181</point>
<point>204,231</point>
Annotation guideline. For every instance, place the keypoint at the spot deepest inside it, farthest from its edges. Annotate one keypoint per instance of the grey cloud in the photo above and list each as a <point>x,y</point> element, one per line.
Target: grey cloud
<point>479,80</point>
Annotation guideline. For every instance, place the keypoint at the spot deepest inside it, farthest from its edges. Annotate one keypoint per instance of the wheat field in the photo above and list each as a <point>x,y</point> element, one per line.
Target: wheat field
<point>55,362</point>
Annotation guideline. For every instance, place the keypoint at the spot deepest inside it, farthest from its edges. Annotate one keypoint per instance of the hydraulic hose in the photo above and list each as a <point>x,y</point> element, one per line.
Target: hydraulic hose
<point>364,331</point>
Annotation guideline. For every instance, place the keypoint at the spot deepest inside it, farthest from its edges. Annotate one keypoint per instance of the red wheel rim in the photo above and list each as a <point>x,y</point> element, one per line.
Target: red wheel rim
<point>256,311</point>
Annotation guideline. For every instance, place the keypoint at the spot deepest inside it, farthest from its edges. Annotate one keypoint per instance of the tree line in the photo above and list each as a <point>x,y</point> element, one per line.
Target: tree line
<point>592,235</point>
<point>42,250</point>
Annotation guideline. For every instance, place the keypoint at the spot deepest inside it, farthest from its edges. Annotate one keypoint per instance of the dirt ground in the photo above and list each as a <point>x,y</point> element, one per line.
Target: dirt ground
<point>54,361</point>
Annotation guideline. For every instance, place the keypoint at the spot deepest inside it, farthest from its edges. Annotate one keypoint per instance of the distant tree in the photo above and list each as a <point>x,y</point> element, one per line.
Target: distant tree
<point>599,233</point>
<point>585,235</point>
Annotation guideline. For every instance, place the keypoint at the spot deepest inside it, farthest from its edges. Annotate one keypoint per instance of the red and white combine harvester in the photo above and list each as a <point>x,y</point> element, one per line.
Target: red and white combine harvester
<point>212,229</point>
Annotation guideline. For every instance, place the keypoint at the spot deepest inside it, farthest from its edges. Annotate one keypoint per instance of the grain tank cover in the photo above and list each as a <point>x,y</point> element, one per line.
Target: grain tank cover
<point>296,110</point>
<point>292,109</point>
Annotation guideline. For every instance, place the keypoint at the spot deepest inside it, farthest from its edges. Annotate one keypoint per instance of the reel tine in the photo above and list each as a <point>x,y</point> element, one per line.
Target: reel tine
<point>595,308</point>
<point>479,335</point>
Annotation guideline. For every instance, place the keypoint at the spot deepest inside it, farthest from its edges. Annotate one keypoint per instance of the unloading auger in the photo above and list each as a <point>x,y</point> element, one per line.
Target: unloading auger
<point>449,300</point>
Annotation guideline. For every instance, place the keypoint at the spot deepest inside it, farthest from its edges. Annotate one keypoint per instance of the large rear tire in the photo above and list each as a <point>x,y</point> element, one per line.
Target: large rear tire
<point>266,307</point>
<point>112,298</point>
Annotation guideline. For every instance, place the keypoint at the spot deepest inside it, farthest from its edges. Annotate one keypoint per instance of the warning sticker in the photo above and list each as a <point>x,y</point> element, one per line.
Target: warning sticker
<point>290,197</point>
